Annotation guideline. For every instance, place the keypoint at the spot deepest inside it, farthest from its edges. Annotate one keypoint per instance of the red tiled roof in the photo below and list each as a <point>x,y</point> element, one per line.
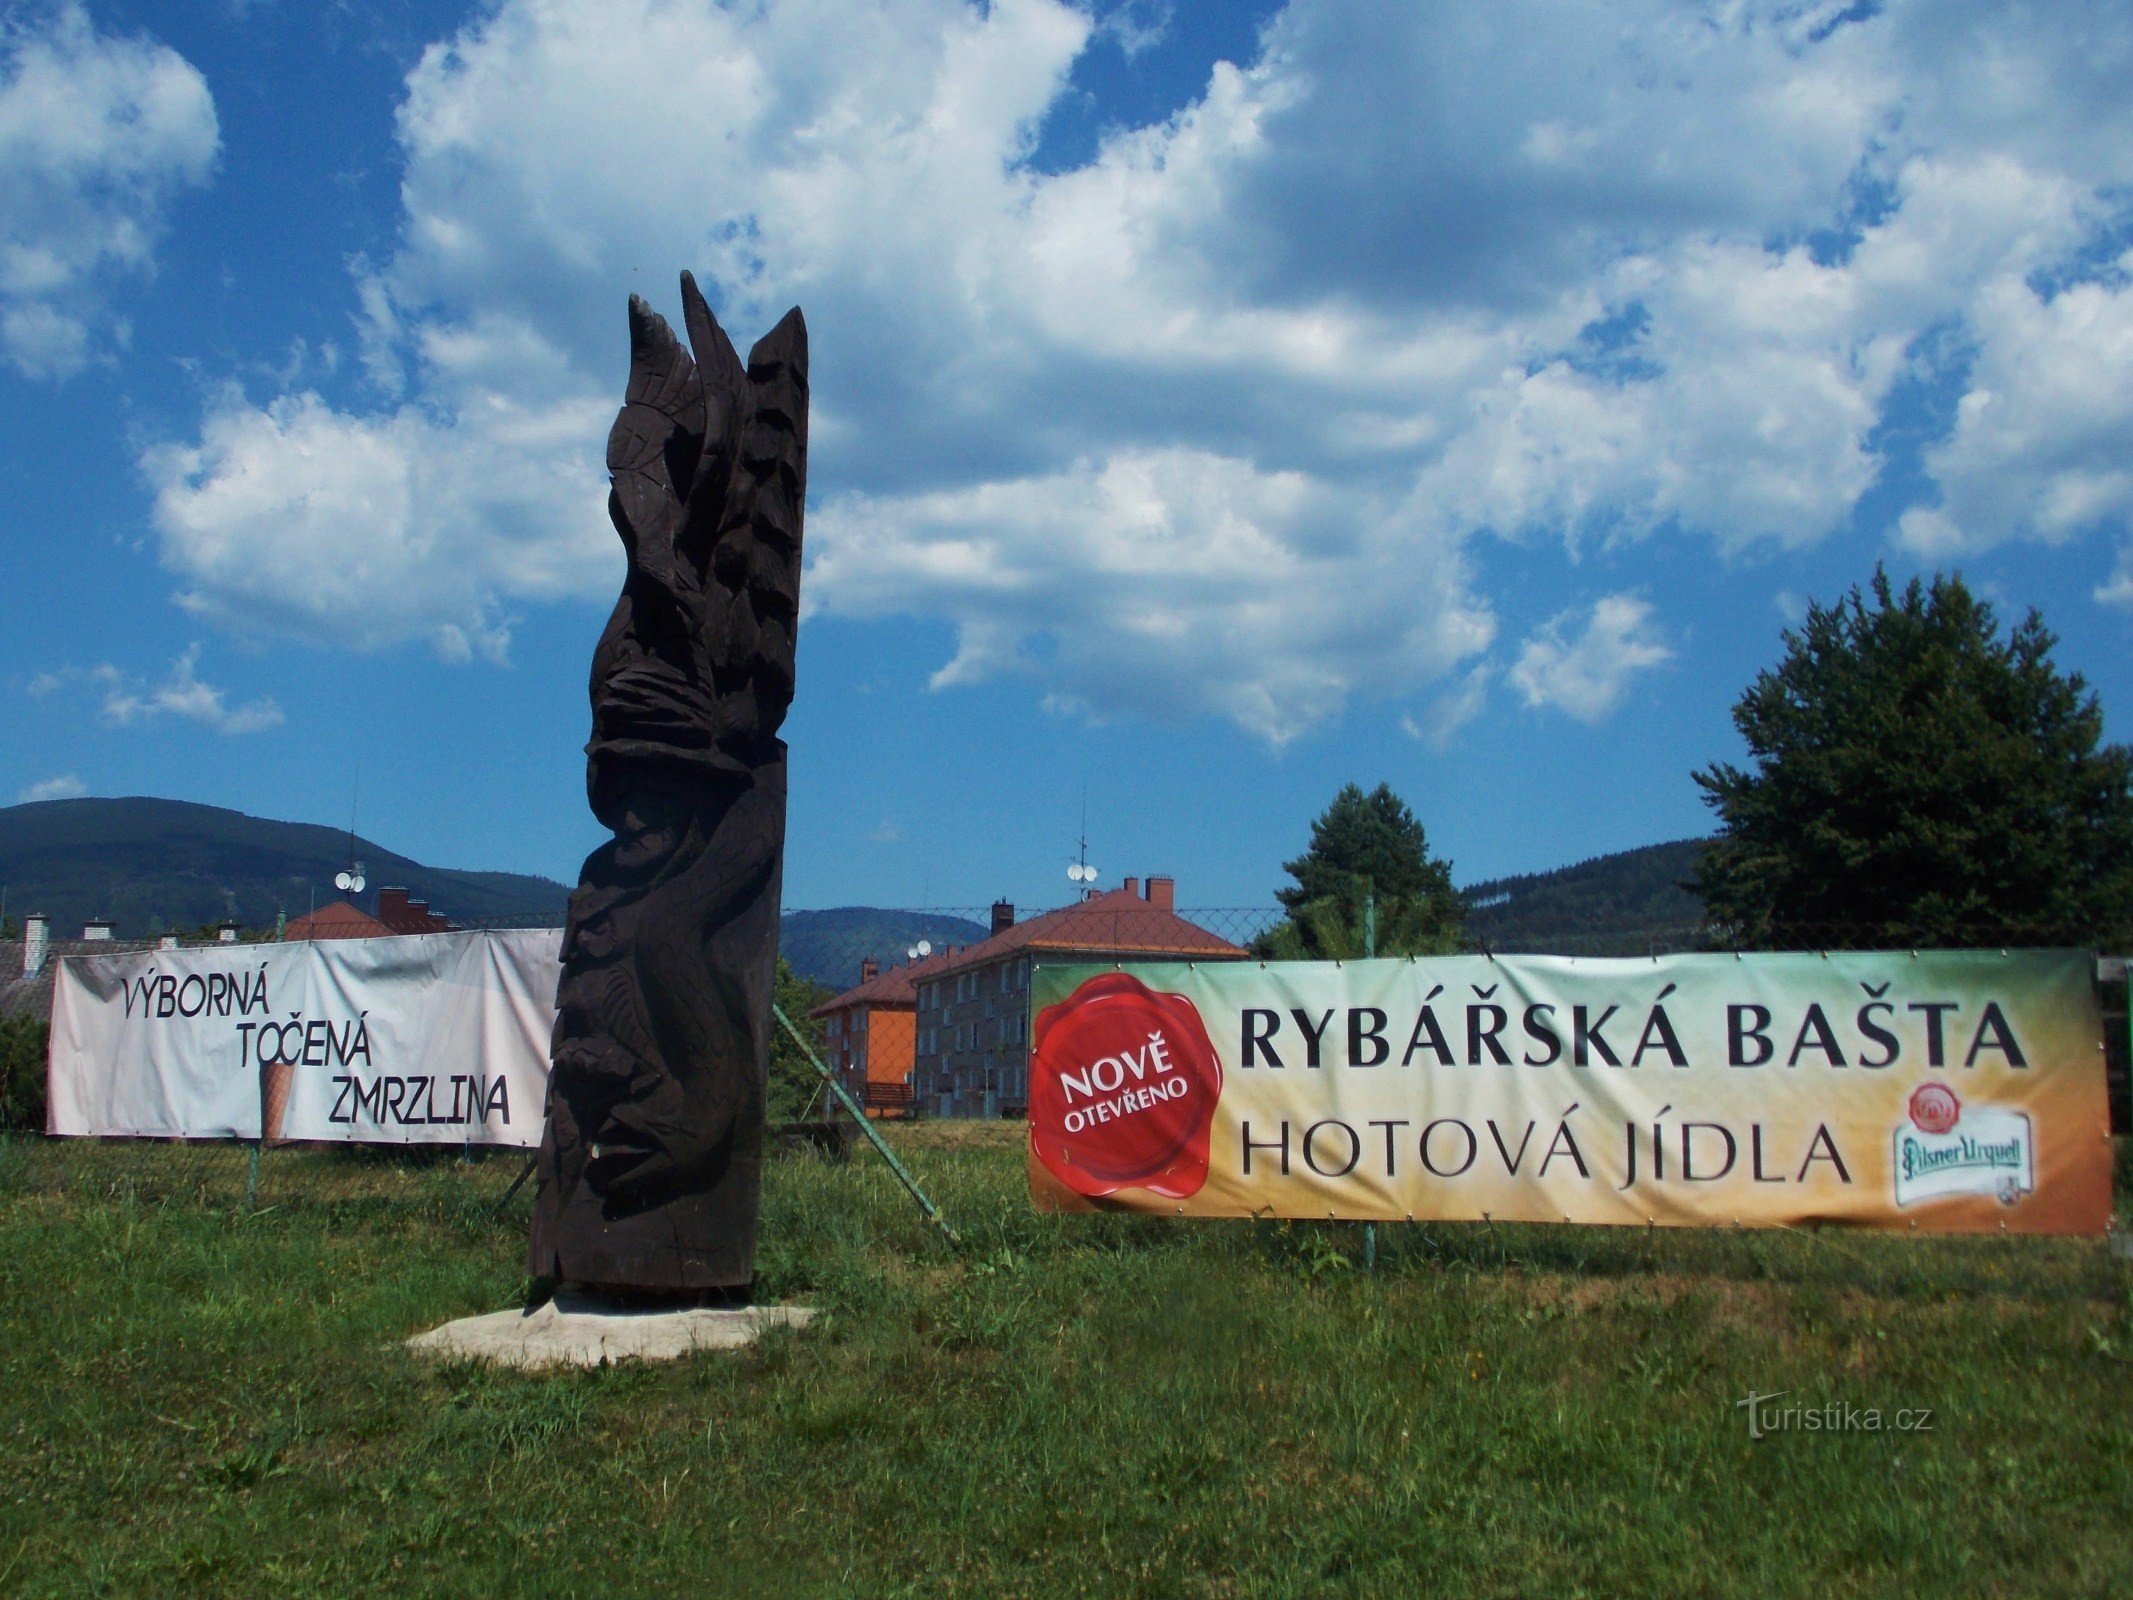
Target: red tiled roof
<point>337,921</point>
<point>1118,922</point>
<point>896,987</point>
<point>400,914</point>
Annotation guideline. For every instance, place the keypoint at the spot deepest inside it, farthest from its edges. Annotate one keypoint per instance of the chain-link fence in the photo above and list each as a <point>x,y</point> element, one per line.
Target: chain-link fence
<point>919,1012</point>
<point>925,1013</point>
<point>393,1185</point>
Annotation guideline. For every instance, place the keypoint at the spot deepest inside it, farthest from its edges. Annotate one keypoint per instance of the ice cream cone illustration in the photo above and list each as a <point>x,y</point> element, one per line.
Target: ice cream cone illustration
<point>276,1079</point>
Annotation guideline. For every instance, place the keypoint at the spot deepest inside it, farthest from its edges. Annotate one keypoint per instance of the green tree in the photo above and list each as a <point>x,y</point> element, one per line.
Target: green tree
<point>793,1080</point>
<point>1918,779</point>
<point>1366,849</point>
<point>23,1042</point>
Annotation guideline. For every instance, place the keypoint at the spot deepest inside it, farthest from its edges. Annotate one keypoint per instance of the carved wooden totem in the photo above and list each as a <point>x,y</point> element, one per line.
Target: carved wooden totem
<point>649,1172</point>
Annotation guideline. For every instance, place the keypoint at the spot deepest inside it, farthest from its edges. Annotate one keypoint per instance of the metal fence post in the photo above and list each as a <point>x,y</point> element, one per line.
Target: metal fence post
<point>866,1126</point>
<point>251,1173</point>
<point>1370,950</point>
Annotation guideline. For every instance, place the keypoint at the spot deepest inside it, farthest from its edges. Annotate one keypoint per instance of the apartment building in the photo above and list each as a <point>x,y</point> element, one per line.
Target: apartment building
<point>868,1034</point>
<point>971,1052</point>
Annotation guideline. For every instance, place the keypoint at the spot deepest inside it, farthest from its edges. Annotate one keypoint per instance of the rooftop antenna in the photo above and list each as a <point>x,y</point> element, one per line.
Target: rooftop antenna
<point>351,881</point>
<point>1079,870</point>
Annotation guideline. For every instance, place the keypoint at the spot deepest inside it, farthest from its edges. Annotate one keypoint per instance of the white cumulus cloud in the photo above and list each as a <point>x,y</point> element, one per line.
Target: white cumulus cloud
<point>1171,582</point>
<point>294,518</point>
<point>1585,674</point>
<point>2117,590</point>
<point>126,699</point>
<point>98,135</point>
<point>1452,710</point>
<point>183,694</point>
<point>64,787</point>
<point>2041,441</point>
<point>1208,425</point>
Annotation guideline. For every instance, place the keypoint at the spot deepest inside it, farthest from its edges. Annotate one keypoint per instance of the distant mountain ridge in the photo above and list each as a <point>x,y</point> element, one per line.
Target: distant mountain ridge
<point>155,866</point>
<point>1619,904</point>
<point>827,946</point>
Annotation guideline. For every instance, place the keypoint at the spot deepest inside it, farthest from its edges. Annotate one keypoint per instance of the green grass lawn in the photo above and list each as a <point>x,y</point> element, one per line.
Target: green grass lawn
<point>199,1400</point>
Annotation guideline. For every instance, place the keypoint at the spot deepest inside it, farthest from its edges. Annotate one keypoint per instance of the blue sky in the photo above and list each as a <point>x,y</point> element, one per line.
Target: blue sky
<point>1214,404</point>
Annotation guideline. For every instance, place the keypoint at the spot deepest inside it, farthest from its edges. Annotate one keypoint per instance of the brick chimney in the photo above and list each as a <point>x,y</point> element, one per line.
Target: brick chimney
<point>1163,893</point>
<point>36,943</point>
<point>1131,886</point>
<point>869,969</point>
<point>391,903</point>
<point>1003,915</point>
<point>96,931</point>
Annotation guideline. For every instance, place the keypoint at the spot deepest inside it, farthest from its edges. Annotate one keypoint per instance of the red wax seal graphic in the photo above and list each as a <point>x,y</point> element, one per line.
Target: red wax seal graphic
<point>1123,1084</point>
<point>1934,1107</point>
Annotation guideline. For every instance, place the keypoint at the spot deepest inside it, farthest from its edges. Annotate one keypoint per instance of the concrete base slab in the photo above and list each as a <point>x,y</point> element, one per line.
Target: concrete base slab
<point>577,1331</point>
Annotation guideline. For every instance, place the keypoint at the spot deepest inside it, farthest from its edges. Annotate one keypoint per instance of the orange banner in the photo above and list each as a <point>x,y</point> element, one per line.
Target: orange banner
<point>1951,1091</point>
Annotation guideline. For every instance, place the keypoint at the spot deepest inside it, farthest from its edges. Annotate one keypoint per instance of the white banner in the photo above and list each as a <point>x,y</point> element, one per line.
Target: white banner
<point>425,1038</point>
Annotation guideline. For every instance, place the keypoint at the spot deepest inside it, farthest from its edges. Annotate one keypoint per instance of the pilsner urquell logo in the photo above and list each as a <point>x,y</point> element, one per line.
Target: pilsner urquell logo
<point>1949,1148</point>
<point>1123,1084</point>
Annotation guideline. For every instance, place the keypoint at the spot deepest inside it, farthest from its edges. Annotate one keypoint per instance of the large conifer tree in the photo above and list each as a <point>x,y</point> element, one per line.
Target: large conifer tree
<point>1916,779</point>
<point>1366,847</point>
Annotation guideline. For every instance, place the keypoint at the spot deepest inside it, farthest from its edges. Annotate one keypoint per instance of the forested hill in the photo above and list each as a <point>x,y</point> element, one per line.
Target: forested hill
<point>826,947</point>
<point>162,866</point>
<point>168,866</point>
<point>1610,905</point>
<point>159,866</point>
